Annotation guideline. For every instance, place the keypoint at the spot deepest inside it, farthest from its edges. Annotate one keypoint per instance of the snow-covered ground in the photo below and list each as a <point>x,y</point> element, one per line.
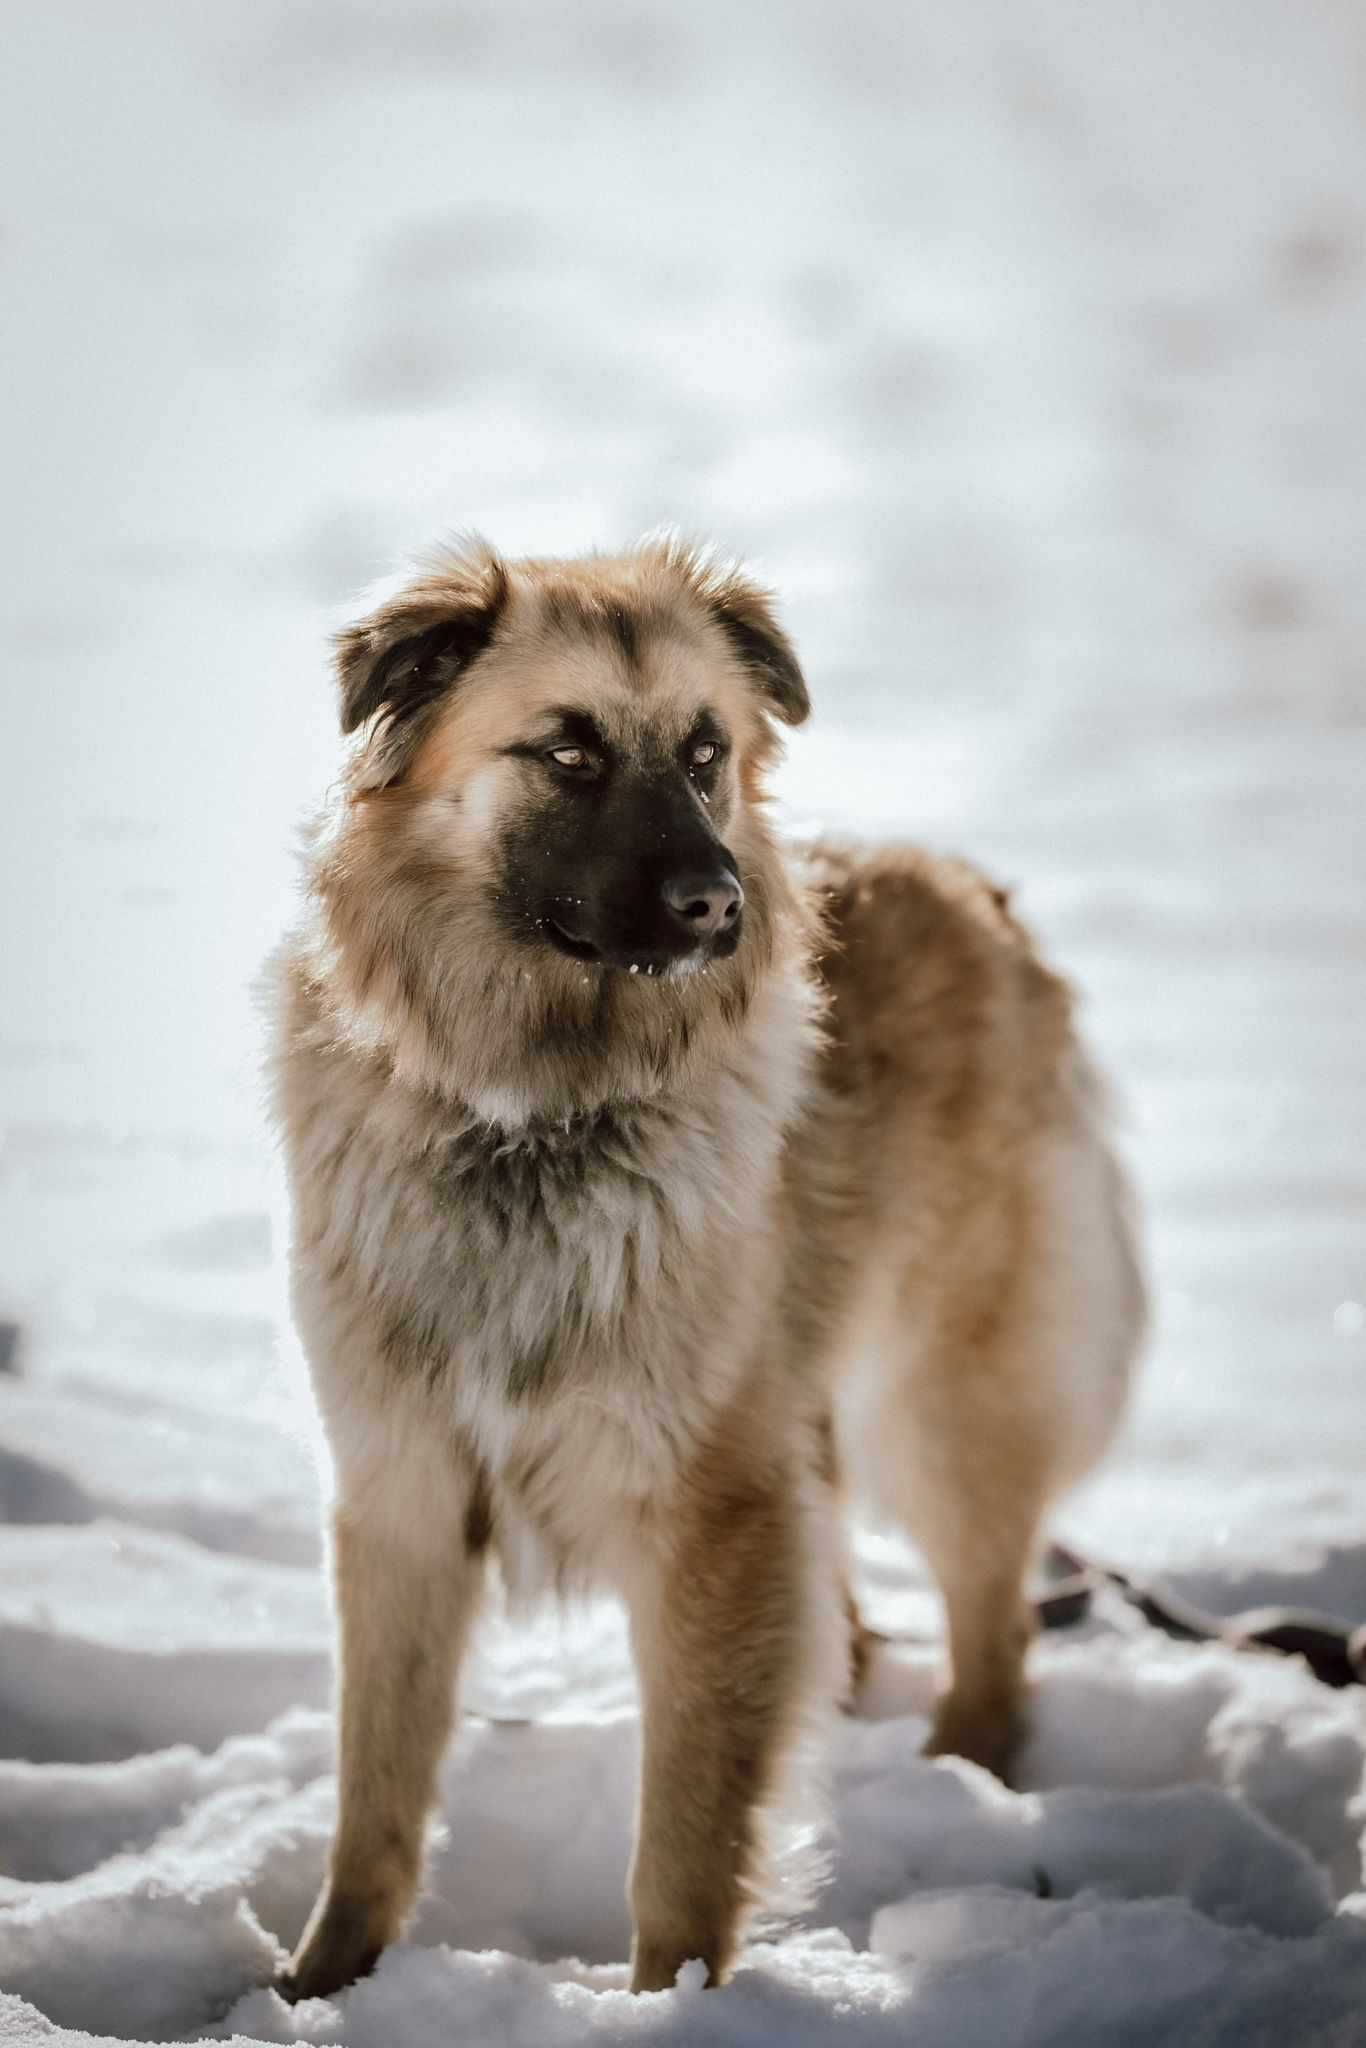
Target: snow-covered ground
<point>1025,349</point>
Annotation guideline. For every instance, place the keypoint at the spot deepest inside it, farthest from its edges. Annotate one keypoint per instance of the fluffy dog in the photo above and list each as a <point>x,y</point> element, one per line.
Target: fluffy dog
<point>647,1179</point>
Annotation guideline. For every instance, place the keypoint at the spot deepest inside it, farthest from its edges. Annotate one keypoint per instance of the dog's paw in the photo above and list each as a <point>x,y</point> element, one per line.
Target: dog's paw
<point>657,1960</point>
<point>340,1944</point>
<point>982,1734</point>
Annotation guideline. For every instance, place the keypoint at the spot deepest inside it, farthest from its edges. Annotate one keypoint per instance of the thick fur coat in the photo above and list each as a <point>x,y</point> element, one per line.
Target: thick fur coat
<point>650,1183</point>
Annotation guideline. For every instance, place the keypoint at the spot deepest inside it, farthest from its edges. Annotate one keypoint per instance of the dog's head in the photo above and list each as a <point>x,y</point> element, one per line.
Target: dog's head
<point>557,784</point>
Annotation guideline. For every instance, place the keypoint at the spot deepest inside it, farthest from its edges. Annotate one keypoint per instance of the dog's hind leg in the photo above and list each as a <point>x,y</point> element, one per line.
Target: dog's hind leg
<point>979,1546</point>
<point>1004,1402</point>
<point>959,1445</point>
<point>408,1566</point>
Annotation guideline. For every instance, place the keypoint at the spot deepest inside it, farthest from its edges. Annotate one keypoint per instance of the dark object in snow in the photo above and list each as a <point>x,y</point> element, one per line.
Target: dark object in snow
<point>1334,1653</point>
<point>9,1347</point>
<point>1066,1602</point>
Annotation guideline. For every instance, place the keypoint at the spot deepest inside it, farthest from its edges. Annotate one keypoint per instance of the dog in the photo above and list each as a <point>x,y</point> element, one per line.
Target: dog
<point>652,1184</point>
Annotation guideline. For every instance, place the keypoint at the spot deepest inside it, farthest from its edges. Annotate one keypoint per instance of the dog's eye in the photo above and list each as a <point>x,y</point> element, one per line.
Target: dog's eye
<point>704,753</point>
<point>569,757</point>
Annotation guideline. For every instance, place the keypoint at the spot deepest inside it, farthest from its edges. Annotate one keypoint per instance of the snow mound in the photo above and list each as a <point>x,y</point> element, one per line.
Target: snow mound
<point>1198,1886</point>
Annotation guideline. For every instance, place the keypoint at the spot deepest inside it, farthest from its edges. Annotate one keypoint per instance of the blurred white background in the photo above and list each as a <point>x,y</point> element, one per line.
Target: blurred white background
<point>1023,348</point>
<point>1022,345</point>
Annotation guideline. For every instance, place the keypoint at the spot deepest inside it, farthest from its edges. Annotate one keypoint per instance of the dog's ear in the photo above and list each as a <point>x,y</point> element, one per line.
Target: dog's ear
<point>405,655</point>
<point>746,615</point>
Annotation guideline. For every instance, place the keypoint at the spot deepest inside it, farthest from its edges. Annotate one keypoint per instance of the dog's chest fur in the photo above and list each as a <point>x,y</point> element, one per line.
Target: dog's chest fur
<point>555,1243</point>
<point>520,1279</point>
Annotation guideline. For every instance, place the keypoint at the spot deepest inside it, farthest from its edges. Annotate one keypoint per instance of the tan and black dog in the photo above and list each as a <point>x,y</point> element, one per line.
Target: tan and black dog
<point>646,1180</point>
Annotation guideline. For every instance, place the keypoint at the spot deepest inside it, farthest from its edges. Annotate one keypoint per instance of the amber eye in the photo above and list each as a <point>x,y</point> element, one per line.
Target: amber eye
<point>569,757</point>
<point>704,753</point>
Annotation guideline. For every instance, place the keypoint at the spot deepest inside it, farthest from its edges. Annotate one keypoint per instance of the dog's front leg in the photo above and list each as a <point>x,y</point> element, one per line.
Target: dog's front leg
<point>408,1568</point>
<point>720,1606</point>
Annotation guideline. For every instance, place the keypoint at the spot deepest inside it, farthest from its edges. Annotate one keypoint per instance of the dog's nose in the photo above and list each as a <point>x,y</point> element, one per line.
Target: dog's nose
<point>705,904</point>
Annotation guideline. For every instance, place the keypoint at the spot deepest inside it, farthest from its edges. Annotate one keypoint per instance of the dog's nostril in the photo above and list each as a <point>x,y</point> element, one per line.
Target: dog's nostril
<point>705,903</point>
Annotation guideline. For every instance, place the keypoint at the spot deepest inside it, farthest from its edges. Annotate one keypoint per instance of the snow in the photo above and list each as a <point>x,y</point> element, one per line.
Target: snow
<point>1025,350</point>
<point>1182,1818</point>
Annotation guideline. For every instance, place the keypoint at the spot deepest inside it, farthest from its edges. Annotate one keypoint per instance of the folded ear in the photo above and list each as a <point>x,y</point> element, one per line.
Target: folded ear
<point>406,654</point>
<point>746,614</point>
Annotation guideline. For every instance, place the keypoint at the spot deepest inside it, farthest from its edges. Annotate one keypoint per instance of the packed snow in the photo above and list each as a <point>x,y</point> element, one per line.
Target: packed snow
<point>1025,352</point>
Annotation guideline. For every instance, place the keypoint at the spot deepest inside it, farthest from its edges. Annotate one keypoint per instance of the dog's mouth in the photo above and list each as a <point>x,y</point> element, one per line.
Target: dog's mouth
<point>650,961</point>
<point>568,942</point>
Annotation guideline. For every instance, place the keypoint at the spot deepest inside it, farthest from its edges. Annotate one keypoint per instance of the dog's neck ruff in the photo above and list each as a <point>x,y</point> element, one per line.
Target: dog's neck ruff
<point>517,1048</point>
<point>768,1054</point>
<point>510,1119</point>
